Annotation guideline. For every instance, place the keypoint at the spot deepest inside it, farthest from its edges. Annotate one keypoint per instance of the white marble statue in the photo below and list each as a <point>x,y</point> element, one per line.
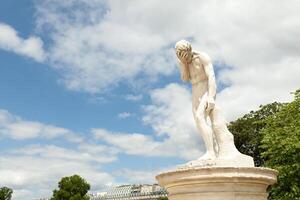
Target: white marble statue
<point>196,67</point>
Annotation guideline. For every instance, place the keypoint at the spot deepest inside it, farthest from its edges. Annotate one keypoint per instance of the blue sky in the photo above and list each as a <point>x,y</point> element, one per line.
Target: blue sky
<point>92,87</point>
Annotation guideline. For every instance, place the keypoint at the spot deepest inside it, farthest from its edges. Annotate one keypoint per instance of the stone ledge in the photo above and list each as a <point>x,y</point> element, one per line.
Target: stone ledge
<point>216,182</point>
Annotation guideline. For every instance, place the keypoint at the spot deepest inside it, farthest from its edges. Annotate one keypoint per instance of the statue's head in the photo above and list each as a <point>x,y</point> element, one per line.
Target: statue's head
<point>184,51</point>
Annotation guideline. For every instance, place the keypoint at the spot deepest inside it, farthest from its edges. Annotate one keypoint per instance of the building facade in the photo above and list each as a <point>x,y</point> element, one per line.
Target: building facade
<point>131,192</point>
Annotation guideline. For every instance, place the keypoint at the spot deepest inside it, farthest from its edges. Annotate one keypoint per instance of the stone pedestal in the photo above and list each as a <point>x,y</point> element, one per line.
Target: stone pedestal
<point>218,183</point>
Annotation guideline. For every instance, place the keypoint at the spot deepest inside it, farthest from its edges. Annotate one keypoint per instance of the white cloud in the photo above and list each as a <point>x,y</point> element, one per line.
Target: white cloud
<point>137,176</point>
<point>132,144</point>
<point>35,174</point>
<point>95,51</point>
<point>11,41</point>
<point>170,116</point>
<point>131,97</point>
<point>33,170</point>
<point>97,48</point>
<point>254,86</point>
<point>85,153</point>
<point>14,127</point>
<point>24,130</point>
<point>124,115</point>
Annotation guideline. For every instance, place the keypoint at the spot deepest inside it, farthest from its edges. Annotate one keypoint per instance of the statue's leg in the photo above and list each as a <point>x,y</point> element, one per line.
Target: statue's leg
<point>204,128</point>
<point>199,91</point>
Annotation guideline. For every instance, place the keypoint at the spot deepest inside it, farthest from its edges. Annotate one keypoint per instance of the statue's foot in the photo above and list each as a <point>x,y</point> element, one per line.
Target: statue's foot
<point>206,160</point>
<point>235,160</point>
<point>207,156</point>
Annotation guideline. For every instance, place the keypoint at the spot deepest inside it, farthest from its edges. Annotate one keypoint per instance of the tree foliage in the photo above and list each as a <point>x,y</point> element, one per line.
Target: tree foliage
<point>247,130</point>
<point>281,150</point>
<point>162,198</point>
<point>5,193</point>
<point>71,188</point>
<point>271,135</point>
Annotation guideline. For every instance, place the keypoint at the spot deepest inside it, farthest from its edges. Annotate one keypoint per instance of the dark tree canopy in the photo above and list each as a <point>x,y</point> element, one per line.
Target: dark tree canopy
<point>162,198</point>
<point>281,150</point>
<point>5,193</point>
<point>247,130</point>
<point>71,188</point>
<point>271,135</point>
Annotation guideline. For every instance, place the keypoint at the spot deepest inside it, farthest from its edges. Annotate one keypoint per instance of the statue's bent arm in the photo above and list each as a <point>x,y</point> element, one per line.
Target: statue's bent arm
<point>184,73</point>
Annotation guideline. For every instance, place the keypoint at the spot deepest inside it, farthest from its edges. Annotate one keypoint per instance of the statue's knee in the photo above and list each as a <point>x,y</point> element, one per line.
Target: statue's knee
<point>218,127</point>
<point>200,116</point>
<point>201,120</point>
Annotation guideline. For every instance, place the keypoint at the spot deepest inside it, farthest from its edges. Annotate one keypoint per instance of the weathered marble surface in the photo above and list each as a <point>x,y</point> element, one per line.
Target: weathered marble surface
<point>222,173</point>
<point>196,67</point>
<point>217,183</point>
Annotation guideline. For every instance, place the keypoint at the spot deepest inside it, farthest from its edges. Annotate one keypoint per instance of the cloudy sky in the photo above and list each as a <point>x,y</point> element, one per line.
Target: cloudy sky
<point>92,87</point>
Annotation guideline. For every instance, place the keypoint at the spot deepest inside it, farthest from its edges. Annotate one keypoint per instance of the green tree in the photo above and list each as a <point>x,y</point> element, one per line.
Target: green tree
<point>281,150</point>
<point>247,130</point>
<point>5,193</point>
<point>71,188</point>
<point>162,198</point>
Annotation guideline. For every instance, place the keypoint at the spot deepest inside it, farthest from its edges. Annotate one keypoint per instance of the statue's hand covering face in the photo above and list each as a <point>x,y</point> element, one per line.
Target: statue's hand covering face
<point>184,51</point>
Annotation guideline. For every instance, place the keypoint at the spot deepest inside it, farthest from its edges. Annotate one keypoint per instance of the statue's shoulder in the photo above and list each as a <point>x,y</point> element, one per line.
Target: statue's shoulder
<point>201,57</point>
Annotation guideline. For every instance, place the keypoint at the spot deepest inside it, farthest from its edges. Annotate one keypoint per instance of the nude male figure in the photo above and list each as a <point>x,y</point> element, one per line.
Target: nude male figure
<point>197,68</point>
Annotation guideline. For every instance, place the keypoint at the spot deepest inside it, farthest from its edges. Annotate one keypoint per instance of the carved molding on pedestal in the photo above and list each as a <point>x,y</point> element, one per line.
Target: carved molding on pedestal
<point>218,183</point>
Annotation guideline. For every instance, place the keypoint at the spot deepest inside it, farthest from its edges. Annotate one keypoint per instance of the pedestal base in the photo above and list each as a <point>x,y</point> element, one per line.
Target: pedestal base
<point>218,183</point>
